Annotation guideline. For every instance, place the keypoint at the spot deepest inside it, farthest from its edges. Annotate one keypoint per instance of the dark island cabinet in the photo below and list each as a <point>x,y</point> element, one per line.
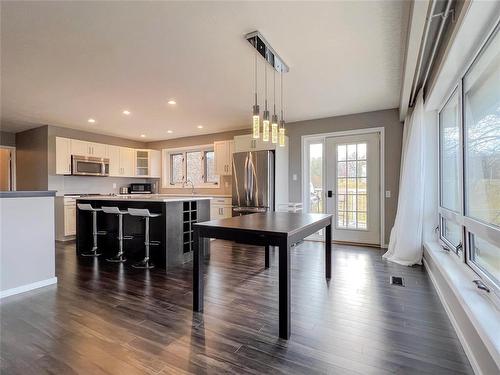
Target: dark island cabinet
<point>173,229</point>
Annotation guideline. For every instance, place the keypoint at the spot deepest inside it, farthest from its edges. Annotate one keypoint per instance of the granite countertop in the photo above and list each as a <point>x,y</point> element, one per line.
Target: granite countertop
<point>145,198</point>
<point>27,193</point>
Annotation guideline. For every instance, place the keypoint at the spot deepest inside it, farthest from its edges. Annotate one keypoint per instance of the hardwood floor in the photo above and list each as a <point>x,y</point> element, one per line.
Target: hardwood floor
<point>106,318</point>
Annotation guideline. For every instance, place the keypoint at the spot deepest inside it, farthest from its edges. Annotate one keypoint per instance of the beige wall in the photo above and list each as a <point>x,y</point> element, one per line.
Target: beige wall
<point>389,119</point>
<point>225,183</point>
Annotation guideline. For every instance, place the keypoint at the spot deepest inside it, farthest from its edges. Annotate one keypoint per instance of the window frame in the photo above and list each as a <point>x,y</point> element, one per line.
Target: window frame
<point>446,213</point>
<point>469,226</point>
<point>167,172</point>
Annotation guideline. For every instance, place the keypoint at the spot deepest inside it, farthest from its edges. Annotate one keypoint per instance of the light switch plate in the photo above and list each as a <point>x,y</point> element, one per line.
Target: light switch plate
<point>294,177</point>
<point>114,185</point>
<point>387,193</point>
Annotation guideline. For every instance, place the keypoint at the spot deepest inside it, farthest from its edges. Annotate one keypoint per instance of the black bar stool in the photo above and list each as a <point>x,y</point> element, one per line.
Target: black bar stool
<point>119,257</point>
<point>88,207</point>
<point>144,212</point>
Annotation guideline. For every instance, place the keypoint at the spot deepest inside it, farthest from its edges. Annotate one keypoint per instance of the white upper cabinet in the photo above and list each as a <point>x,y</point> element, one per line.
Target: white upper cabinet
<point>63,155</point>
<point>147,163</point>
<point>223,153</point>
<point>80,148</point>
<point>123,161</point>
<point>114,160</point>
<point>84,148</point>
<point>155,159</point>
<point>127,161</point>
<point>99,150</point>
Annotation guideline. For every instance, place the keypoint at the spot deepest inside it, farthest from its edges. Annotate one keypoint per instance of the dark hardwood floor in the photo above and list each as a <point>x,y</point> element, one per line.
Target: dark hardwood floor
<point>112,319</point>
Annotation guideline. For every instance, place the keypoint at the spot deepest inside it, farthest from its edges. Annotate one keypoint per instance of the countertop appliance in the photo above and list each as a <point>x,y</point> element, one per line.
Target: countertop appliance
<point>89,166</point>
<point>142,188</point>
<point>253,182</point>
<point>124,190</point>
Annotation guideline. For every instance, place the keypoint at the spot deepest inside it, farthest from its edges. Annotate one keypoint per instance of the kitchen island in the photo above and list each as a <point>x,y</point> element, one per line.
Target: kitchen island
<point>172,230</point>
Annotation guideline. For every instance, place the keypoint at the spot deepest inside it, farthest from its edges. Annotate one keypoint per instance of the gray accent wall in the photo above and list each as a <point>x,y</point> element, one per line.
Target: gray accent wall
<point>388,119</point>
<point>7,139</point>
<point>31,159</point>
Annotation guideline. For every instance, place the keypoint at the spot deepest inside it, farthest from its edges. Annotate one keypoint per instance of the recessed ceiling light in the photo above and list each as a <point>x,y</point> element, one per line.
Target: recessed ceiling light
<point>143,135</point>
<point>126,112</point>
<point>200,126</point>
<point>91,120</point>
<point>169,131</point>
<point>172,102</point>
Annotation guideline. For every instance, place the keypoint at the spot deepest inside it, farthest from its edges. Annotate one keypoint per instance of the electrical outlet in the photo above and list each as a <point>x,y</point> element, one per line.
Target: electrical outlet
<point>114,185</point>
<point>387,193</point>
<point>294,177</point>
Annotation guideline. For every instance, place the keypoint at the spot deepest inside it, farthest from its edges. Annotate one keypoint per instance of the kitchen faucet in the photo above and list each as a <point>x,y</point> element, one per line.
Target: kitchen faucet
<point>190,182</point>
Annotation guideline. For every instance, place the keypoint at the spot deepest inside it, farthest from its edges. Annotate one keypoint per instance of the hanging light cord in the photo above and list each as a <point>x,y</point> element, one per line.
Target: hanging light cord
<point>281,103</point>
<point>274,90</point>
<point>255,58</point>
<point>265,79</point>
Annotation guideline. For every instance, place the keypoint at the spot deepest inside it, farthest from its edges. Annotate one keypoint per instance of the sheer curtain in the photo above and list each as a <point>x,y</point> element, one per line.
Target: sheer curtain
<point>405,244</point>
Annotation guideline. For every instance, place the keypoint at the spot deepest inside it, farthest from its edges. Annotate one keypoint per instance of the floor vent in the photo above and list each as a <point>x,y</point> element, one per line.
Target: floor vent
<point>397,280</point>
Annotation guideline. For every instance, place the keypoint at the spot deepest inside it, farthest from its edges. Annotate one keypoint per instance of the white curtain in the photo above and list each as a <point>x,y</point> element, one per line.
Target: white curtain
<point>405,244</point>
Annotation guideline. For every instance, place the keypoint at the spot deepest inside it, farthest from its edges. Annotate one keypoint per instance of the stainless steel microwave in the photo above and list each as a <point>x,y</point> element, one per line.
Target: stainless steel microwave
<point>89,166</point>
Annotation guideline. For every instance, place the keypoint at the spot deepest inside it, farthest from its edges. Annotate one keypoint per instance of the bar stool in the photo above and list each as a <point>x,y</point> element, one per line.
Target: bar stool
<point>88,207</point>
<point>144,212</point>
<point>118,258</point>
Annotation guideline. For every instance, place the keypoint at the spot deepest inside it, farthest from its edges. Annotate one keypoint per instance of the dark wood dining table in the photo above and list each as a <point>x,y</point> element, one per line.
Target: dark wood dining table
<point>281,229</point>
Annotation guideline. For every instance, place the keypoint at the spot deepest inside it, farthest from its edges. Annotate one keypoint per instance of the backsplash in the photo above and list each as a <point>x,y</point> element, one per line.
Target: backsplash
<point>89,185</point>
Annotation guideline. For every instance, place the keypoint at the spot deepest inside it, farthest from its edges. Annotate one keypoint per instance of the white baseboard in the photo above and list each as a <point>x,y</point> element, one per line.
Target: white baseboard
<point>461,337</point>
<point>27,287</point>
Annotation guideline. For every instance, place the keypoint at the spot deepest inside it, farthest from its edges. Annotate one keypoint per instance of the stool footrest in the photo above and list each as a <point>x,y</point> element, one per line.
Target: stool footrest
<point>128,237</point>
<point>102,232</point>
<point>154,243</point>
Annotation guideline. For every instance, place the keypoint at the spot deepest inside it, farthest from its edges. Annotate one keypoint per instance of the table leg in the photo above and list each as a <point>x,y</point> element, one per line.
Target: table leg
<point>197,272</point>
<point>328,251</point>
<point>284,290</point>
<point>268,257</point>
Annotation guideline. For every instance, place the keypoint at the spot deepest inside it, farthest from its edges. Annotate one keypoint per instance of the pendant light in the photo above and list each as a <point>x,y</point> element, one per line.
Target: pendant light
<point>282,121</point>
<point>265,121</point>
<point>256,109</point>
<point>274,123</point>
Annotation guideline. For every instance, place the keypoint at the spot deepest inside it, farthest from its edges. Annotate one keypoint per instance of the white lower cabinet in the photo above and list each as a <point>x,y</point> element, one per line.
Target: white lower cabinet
<point>70,220</point>
<point>220,208</point>
<point>65,212</point>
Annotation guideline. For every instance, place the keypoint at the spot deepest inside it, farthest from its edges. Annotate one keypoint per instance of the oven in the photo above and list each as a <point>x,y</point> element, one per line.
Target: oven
<point>89,166</point>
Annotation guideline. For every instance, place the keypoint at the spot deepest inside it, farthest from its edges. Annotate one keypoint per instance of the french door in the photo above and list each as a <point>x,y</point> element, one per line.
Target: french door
<point>352,171</point>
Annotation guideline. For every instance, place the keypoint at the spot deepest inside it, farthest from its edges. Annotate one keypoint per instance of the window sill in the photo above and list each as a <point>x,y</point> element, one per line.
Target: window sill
<point>480,307</point>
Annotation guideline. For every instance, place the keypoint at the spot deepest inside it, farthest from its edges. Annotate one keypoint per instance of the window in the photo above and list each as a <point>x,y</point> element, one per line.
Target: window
<point>482,136</point>
<point>481,93</point>
<point>449,130</point>
<point>351,186</point>
<point>469,153</point>
<point>196,165</point>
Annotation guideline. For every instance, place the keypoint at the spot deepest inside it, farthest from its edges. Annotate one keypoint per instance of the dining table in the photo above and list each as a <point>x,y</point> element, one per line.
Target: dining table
<point>280,229</point>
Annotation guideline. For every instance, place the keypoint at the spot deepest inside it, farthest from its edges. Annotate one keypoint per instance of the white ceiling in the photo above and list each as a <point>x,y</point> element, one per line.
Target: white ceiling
<point>64,62</point>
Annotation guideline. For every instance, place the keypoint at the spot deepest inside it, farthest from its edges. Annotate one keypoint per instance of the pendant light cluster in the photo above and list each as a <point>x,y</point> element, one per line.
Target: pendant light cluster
<point>272,130</point>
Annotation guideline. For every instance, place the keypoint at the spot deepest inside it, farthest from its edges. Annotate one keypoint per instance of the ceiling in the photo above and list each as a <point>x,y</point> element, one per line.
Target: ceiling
<point>65,62</point>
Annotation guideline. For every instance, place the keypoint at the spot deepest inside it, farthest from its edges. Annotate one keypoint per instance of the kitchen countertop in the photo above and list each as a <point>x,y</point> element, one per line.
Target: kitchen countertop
<point>145,198</point>
<point>27,193</point>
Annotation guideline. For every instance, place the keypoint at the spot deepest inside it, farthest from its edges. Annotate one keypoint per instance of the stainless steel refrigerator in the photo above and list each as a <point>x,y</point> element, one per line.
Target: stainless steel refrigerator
<point>253,182</point>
